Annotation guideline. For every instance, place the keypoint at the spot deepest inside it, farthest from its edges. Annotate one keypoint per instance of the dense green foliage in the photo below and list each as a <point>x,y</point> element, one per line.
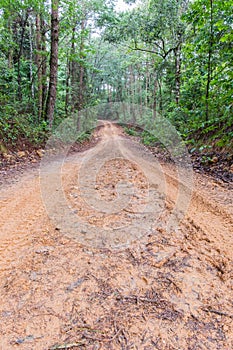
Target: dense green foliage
<point>181,55</point>
<point>174,57</point>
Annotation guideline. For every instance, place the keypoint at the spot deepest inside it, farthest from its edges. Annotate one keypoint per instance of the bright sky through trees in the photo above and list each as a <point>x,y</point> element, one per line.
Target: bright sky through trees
<point>122,6</point>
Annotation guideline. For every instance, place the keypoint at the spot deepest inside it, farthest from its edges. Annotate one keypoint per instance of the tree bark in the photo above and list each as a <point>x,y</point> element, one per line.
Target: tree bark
<point>23,28</point>
<point>177,53</point>
<point>73,72</point>
<point>81,68</point>
<point>39,66</point>
<point>154,105</point>
<point>52,92</point>
<point>44,63</point>
<point>31,59</point>
<point>160,96</point>
<point>67,99</point>
<point>10,52</point>
<point>209,64</point>
<point>147,88</point>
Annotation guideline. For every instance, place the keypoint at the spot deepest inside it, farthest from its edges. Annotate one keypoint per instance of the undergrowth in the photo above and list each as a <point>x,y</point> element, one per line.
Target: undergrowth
<point>209,135</point>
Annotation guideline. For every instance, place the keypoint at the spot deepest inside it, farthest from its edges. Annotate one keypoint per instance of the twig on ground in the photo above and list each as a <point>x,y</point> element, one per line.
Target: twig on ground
<point>172,282</point>
<point>67,346</point>
<point>106,340</point>
<point>217,312</point>
<point>142,299</point>
<point>154,343</point>
<point>133,256</point>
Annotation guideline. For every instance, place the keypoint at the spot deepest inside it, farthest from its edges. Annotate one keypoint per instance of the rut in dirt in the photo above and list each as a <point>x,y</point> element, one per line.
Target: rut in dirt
<point>118,187</point>
<point>121,251</point>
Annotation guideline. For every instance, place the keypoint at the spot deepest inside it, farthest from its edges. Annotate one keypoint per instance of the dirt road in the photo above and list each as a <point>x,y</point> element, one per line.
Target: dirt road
<point>113,256</point>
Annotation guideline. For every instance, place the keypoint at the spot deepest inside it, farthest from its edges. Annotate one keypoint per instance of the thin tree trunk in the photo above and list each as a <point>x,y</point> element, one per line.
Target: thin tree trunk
<point>139,89</point>
<point>160,96</point>
<point>132,92</point>
<point>149,93</point>
<point>31,59</point>
<point>154,106</point>
<point>67,99</point>
<point>126,85</point>
<point>52,93</point>
<point>81,68</point>
<point>131,84</point>
<point>44,63</point>
<point>209,64</point>
<point>73,72</point>
<point>177,53</point>
<point>10,52</point>
<point>147,84</point>
<point>23,27</point>
<point>39,66</point>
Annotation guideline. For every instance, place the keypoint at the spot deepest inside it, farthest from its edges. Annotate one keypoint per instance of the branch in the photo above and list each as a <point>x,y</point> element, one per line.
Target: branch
<point>163,55</point>
<point>144,50</point>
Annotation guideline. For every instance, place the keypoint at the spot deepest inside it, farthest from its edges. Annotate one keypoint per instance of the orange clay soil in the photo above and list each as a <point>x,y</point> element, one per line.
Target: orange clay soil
<point>120,278</point>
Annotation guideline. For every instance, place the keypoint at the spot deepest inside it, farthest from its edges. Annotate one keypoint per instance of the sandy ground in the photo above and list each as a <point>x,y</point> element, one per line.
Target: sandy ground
<point>104,251</point>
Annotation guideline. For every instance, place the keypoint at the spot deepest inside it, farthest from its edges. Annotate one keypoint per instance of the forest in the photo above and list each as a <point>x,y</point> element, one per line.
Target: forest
<point>116,174</point>
<point>173,56</point>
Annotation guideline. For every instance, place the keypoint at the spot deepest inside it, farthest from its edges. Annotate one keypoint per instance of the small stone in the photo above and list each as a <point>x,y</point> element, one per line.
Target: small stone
<point>214,159</point>
<point>30,337</point>
<point>3,149</point>
<point>75,284</point>
<point>33,276</point>
<point>43,250</point>
<point>21,154</point>
<point>40,152</point>
<point>8,156</point>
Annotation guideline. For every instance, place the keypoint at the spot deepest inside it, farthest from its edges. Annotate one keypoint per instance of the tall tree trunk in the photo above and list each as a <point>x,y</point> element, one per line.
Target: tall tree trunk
<point>154,105</point>
<point>147,88</point>
<point>177,53</point>
<point>23,28</point>
<point>127,86</point>
<point>31,59</point>
<point>67,98</point>
<point>73,72</point>
<point>52,92</point>
<point>160,95</point>
<point>81,68</point>
<point>44,63</point>
<point>10,52</point>
<point>39,66</point>
<point>209,62</point>
<point>132,93</point>
<point>139,88</point>
<point>131,84</point>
